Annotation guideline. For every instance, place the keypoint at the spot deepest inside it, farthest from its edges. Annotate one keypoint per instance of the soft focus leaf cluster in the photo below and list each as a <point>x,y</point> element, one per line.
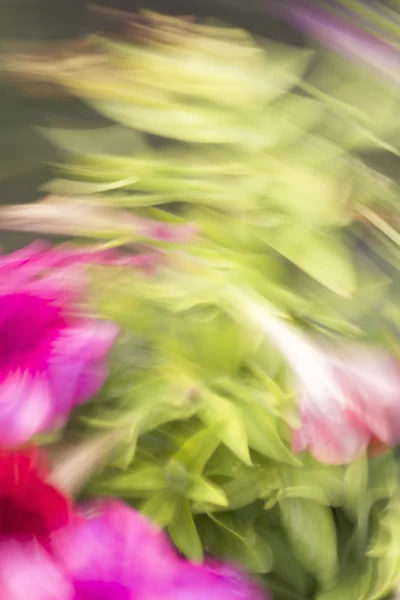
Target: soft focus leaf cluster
<point>209,456</point>
<point>262,152</point>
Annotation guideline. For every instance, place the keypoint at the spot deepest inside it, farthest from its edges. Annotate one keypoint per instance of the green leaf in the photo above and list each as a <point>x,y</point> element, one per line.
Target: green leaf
<point>283,69</point>
<point>183,532</point>
<point>353,584</point>
<point>312,251</point>
<point>382,476</point>
<point>179,73</point>
<point>313,482</point>
<point>186,123</point>
<point>177,476</point>
<point>386,573</point>
<point>224,463</point>
<point>288,118</point>
<point>316,196</point>
<point>240,543</point>
<point>385,552</point>
<point>203,490</point>
<point>113,140</point>
<point>231,431</point>
<point>198,449</point>
<point>160,508</point>
<point>286,566</point>
<point>215,341</point>
<point>273,496</point>
<point>263,436</point>
<point>245,488</point>
<point>356,488</point>
<point>311,531</point>
<point>262,76</point>
<point>126,457</point>
<point>357,501</point>
<point>147,478</point>
<point>84,188</point>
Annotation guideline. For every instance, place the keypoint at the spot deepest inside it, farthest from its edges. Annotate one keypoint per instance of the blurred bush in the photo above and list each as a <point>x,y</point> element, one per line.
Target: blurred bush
<point>263,147</point>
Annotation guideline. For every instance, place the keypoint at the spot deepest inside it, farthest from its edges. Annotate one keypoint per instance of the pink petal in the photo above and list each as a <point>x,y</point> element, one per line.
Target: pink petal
<point>25,407</point>
<point>25,257</point>
<point>28,573</point>
<point>216,582</point>
<point>356,399</point>
<point>166,231</point>
<point>48,362</point>
<point>77,368</point>
<point>114,543</point>
<point>330,441</point>
<point>371,382</point>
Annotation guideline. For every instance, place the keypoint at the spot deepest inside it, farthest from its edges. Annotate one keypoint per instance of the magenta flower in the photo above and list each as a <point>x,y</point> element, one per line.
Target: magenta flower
<point>40,258</point>
<point>51,360</point>
<point>114,553</point>
<point>213,581</point>
<point>49,363</point>
<point>111,552</point>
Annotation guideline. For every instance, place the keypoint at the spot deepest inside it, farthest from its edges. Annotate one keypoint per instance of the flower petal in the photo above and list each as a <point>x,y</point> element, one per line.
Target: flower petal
<point>26,407</point>
<point>214,582</point>
<point>331,441</point>
<point>28,573</point>
<point>77,368</point>
<point>371,382</point>
<point>362,404</point>
<point>29,506</point>
<point>49,360</point>
<point>114,543</point>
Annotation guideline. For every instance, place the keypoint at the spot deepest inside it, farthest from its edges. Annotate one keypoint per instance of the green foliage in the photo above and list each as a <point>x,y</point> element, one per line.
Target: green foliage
<point>310,529</point>
<point>264,169</point>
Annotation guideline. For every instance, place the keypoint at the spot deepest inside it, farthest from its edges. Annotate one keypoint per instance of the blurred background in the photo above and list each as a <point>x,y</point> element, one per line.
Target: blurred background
<point>25,155</point>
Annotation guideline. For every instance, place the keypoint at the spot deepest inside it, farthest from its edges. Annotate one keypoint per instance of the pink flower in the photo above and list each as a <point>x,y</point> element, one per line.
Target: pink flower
<point>349,395</point>
<point>31,511</point>
<point>114,552</point>
<point>51,360</point>
<point>356,408</point>
<point>41,259</point>
<point>213,581</point>
<point>117,554</point>
<point>27,572</point>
